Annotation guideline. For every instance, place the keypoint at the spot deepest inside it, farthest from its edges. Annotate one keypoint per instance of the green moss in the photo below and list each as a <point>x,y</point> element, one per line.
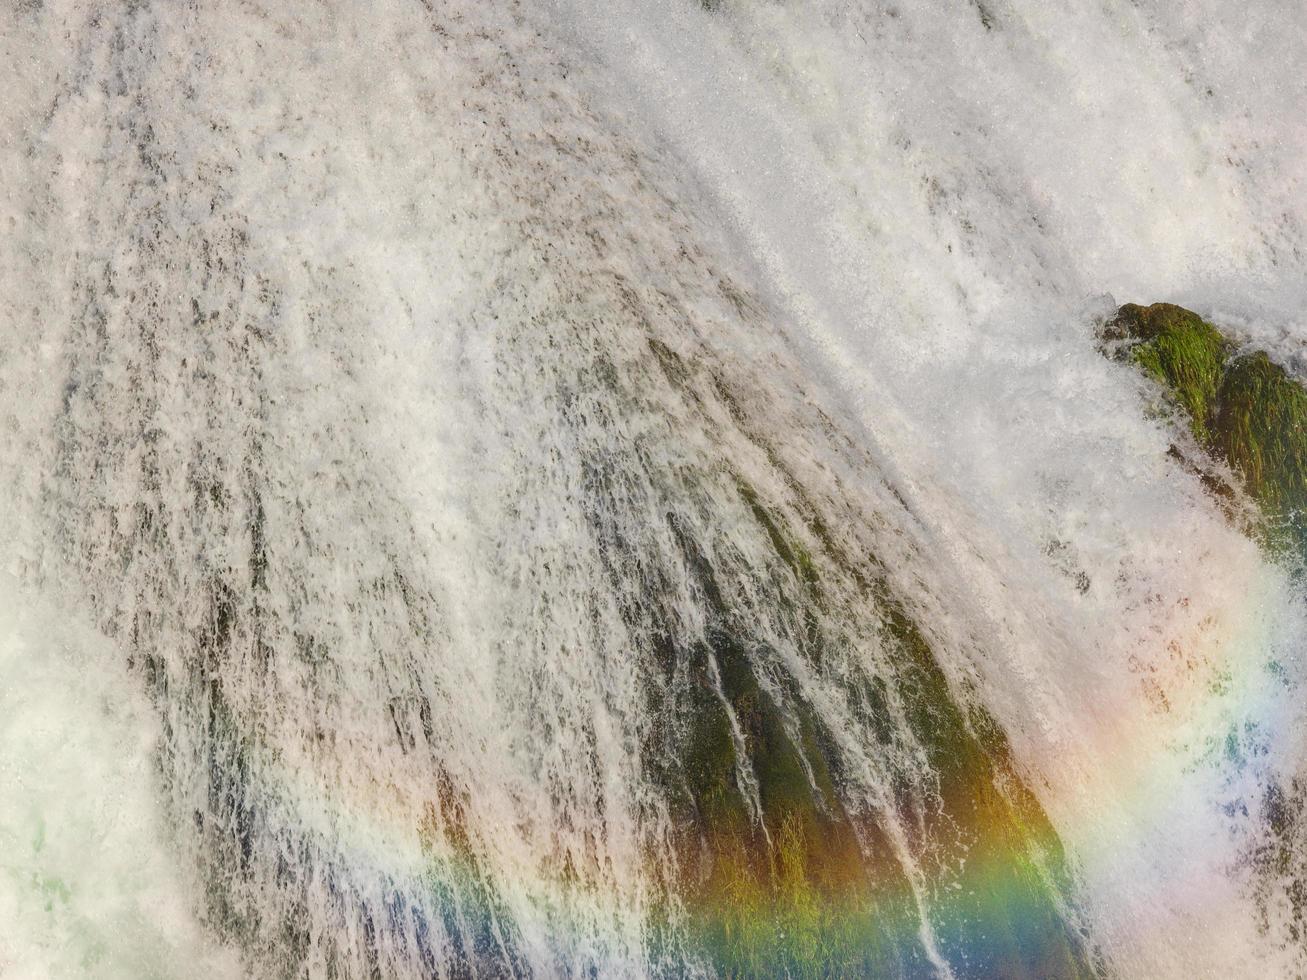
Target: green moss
<point>709,756</point>
<point>673,366</point>
<point>1180,350</point>
<point>787,547</point>
<point>800,887</point>
<point>786,888</point>
<point>1261,429</point>
<point>1243,409</point>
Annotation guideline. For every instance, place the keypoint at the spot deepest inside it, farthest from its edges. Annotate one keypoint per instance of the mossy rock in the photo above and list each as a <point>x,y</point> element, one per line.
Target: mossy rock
<point>1242,408</point>
<point>1261,430</point>
<point>999,915</point>
<point>784,892</point>
<point>1181,351</point>
<point>784,880</point>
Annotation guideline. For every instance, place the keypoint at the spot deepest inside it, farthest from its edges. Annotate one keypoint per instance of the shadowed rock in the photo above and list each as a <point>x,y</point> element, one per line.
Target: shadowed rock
<point>805,887</point>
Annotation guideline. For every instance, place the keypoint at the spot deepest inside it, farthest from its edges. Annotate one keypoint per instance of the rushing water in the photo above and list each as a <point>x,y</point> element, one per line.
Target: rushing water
<point>394,395</point>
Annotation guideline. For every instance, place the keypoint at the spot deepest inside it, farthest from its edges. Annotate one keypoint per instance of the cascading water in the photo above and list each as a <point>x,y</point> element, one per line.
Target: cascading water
<point>630,488</point>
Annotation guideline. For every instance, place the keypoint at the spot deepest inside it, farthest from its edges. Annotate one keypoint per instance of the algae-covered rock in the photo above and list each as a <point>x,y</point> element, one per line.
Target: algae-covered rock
<point>1241,407</point>
<point>1180,350</point>
<point>783,879</point>
<point>1260,430</point>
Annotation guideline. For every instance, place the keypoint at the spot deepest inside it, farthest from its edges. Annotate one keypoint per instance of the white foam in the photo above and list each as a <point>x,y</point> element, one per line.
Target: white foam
<point>88,883</point>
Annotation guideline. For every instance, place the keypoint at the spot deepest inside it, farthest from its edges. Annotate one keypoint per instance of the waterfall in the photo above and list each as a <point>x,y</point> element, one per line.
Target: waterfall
<point>631,489</point>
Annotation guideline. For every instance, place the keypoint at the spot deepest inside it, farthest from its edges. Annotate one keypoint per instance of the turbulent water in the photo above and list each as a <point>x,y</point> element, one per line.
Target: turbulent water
<point>419,415</point>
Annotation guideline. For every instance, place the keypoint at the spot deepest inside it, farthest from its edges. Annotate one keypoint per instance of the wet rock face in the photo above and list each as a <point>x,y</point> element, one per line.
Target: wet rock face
<point>1260,431</point>
<point>1240,407</point>
<point>783,878</point>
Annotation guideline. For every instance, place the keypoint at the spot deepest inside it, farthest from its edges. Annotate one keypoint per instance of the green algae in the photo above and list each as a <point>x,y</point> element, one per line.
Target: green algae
<point>1243,409</point>
<point>787,895</point>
